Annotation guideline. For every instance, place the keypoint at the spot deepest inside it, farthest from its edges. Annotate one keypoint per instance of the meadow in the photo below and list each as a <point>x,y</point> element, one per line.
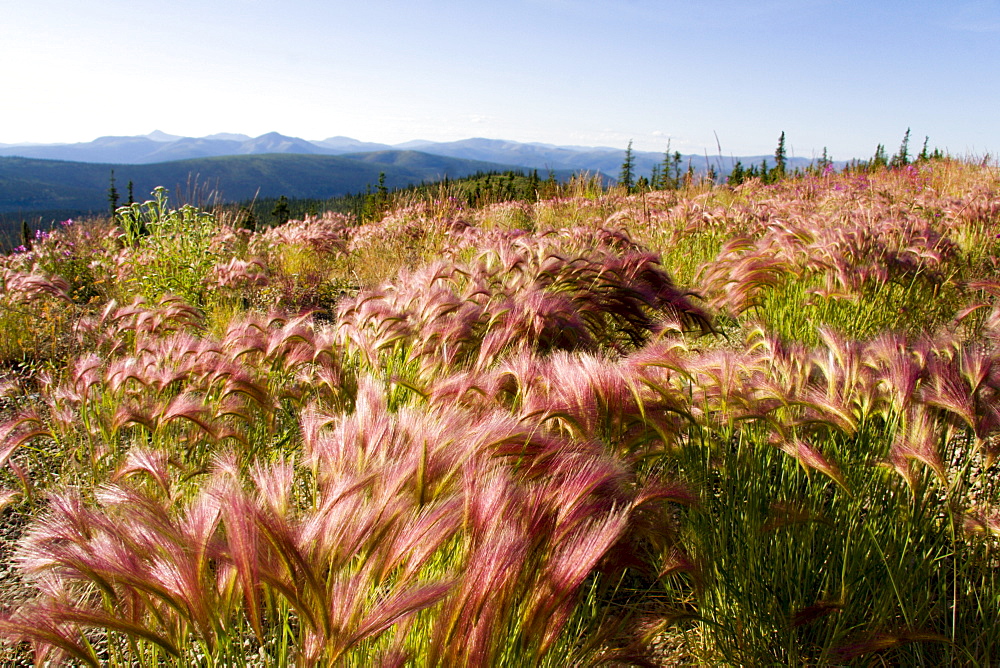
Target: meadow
<point>746,425</point>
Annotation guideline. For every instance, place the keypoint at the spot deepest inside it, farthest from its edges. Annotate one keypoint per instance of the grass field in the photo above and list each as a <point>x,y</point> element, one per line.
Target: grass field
<point>709,426</point>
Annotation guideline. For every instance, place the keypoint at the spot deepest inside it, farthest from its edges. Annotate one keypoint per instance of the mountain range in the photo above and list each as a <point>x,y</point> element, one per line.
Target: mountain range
<point>161,147</point>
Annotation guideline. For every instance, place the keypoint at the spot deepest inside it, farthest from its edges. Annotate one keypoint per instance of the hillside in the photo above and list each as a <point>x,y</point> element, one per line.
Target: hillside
<point>31,185</point>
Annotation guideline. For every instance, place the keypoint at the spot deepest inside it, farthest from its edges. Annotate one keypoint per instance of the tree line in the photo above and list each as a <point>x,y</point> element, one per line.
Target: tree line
<point>669,174</point>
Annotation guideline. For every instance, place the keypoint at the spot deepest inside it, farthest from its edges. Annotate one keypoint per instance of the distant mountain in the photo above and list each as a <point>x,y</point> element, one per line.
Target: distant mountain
<point>102,149</point>
<point>273,142</point>
<point>161,147</point>
<point>29,185</point>
<point>156,135</point>
<point>228,136</point>
<point>535,156</point>
<point>348,145</point>
<point>188,148</point>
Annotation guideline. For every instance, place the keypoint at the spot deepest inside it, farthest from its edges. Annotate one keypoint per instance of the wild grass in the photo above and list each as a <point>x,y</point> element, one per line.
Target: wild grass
<point>720,426</point>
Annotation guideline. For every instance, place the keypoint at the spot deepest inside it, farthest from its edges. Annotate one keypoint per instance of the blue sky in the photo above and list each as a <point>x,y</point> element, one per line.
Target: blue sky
<point>839,74</point>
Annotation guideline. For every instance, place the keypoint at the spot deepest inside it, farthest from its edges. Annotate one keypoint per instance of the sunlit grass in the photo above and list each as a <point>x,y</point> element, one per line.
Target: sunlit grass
<point>727,426</point>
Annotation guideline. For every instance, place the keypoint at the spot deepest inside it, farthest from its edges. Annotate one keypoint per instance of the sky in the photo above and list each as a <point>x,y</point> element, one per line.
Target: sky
<point>709,76</point>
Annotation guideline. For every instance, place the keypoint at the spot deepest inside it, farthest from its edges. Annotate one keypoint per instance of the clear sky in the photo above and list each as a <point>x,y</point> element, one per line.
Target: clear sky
<point>841,74</point>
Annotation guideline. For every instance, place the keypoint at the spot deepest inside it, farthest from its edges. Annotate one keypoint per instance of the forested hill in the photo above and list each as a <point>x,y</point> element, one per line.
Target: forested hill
<point>31,185</point>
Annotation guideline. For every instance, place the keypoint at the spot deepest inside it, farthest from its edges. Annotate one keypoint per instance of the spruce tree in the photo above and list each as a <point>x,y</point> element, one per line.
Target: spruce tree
<point>627,175</point>
<point>779,159</point>
<point>551,184</point>
<point>825,162</point>
<point>246,220</point>
<point>376,203</point>
<point>902,158</point>
<point>666,179</point>
<point>879,159</point>
<point>381,195</point>
<point>737,175</point>
<point>281,213</point>
<point>26,235</point>
<point>113,195</point>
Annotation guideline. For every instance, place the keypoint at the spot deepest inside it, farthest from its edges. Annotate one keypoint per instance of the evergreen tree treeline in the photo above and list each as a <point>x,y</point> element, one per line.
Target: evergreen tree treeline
<point>664,176</point>
<point>479,189</point>
<point>880,159</point>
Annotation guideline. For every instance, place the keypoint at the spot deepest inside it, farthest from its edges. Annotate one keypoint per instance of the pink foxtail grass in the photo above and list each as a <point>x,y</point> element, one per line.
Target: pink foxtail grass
<point>522,449</point>
<point>578,291</point>
<point>424,532</point>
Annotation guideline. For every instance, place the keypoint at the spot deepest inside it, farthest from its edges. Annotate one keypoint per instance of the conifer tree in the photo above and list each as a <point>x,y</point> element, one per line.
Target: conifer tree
<point>26,235</point>
<point>779,159</point>
<point>667,179</point>
<point>281,213</point>
<point>879,159</point>
<point>825,162</point>
<point>551,185</point>
<point>736,175</point>
<point>923,151</point>
<point>627,175</point>
<point>246,220</point>
<point>902,158</point>
<point>113,195</point>
<point>376,203</point>
<point>677,169</point>
<point>670,176</point>
<point>381,194</point>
